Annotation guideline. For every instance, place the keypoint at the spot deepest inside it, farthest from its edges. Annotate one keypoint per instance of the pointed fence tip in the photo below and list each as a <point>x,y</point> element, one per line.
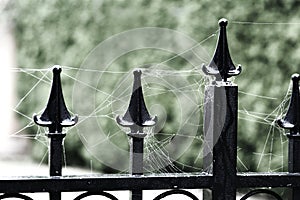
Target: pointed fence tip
<point>137,116</point>
<point>137,72</point>
<point>295,77</point>
<point>56,115</point>
<point>292,119</point>
<point>56,69</point>
<point>223,22</point>
<point>221,65</point>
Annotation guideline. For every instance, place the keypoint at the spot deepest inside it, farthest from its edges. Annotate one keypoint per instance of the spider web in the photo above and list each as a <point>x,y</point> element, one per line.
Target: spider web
<point>174,144</point>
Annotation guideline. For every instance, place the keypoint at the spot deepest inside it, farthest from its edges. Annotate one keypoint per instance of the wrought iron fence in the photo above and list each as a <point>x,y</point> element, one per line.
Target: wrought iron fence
<point>220,134</point>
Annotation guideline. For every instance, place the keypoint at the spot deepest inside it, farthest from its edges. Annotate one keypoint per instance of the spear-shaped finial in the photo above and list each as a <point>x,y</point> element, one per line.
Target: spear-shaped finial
<point>56,115</point>
<point>292,118</point>
<point>137,115</point>
<point>221,66</point>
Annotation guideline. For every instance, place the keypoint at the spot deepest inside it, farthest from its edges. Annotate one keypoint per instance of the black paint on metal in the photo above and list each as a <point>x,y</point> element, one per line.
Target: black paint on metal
<point>19,196</point>
<point>292,119</point>
<point>225,149</point>
<point>292,122</point>
<point>221,138</point>
<point>55,117</point>
<point>105,194</point>
<point>220,120</point>
<point>221,65</point>
<point>220,127</point>
<point>136,118</point>
<point>261,191</point>
<point>171,192</point>
<point>146,182</point>
<point>104,182</point>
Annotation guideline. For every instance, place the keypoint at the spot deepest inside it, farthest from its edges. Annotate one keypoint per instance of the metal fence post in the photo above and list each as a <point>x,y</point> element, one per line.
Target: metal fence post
<point>136,117</point>
<point>55,117</point>
<point>220,120</point>
<point>292,122</point>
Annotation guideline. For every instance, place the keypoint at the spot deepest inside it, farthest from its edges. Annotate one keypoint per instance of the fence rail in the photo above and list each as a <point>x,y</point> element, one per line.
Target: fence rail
<point>220,135</point>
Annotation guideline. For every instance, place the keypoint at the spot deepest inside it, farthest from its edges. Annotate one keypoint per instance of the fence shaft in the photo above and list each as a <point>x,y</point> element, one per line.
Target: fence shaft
<point>221,122</point>
<point>55,196</point>
<point>56,154</point>
<point>209,129</point>
<point>136,163</point>
<point>291,121</point>
<point>55,117</point>
<point>294,161</point>
<point>225,149</point>
<point>208,135</point>
<point>56,160</point>
<point>136,155</point>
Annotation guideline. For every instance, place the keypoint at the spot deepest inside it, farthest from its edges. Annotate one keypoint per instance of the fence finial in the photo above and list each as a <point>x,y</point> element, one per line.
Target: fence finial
<point>56,115</point>
<point>137,115</point>
<point>292,119</point>
<point>221,66</point>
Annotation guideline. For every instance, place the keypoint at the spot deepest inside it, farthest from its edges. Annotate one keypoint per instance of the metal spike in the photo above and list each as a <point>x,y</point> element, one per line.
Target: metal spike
<point>137,115</point>
<point>221,66</point>
<point>56,115</point>
<point>292,119</point>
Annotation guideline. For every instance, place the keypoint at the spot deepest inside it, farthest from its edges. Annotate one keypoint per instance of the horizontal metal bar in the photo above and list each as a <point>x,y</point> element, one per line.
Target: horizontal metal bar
<point>103,182</point>
<point>283,179</point>
<point>146,182</point>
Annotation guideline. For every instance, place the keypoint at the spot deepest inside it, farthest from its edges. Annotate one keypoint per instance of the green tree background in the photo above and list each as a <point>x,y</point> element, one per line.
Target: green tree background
<point>64,32</point>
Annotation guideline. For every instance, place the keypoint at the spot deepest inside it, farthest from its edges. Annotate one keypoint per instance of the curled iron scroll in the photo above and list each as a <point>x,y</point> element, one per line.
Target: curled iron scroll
<point>261,191</point>
<point>19,196</point>
<point>105,194</point>
<point>171,192</point>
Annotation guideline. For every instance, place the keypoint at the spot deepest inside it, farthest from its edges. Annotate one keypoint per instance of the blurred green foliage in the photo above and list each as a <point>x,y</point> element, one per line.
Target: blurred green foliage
<point>64,32</point>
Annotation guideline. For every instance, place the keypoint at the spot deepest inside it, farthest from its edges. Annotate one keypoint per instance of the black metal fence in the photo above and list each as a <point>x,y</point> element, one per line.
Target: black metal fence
<point>220,134</point>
